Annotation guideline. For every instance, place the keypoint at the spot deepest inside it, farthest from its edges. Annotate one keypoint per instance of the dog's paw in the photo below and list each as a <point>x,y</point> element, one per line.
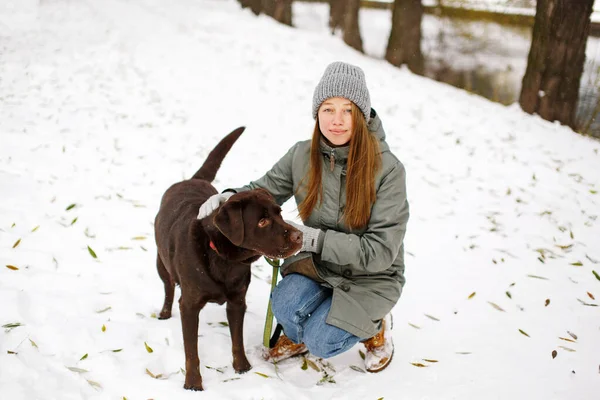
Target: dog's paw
<point>164,315</point>
<point>242,369</point>
<point>194,387</point>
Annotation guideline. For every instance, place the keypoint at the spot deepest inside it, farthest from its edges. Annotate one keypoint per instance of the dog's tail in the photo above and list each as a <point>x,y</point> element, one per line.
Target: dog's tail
<point>215,158</point>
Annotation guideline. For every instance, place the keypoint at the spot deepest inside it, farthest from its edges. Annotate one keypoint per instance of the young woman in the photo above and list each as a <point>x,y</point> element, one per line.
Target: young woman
<point>351,195</point>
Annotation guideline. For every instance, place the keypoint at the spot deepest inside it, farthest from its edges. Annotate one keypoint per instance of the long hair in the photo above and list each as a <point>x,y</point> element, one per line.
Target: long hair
<point>364,161</point>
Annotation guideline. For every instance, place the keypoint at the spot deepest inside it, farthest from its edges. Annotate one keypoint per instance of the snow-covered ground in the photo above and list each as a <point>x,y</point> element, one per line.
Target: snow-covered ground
<point>104,104</point>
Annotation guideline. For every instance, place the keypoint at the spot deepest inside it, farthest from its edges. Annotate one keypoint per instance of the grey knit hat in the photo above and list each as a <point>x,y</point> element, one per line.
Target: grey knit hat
<point>343,80</point>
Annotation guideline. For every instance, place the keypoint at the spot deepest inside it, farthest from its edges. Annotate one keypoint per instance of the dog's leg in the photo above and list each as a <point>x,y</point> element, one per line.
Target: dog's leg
<point>236,308</point>
<point>189,322</point>
<point>165,313</point>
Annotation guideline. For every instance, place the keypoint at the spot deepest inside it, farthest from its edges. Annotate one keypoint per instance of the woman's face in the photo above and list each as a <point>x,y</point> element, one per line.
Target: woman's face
<point>335,120</point>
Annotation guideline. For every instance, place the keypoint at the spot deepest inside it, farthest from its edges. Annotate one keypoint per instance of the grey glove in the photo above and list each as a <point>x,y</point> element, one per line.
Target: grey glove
<point>312,239</point>
<point>213,203</point>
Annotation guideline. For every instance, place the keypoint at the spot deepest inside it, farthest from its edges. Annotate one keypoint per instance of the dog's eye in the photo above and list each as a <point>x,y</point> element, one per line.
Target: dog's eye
<point>264,222</point>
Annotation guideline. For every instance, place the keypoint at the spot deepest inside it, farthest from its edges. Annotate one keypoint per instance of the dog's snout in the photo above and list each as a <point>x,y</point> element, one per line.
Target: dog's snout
<point>296,236</point>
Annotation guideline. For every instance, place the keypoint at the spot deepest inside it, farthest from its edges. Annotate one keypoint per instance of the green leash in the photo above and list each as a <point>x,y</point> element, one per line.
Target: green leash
<point>269,321</point>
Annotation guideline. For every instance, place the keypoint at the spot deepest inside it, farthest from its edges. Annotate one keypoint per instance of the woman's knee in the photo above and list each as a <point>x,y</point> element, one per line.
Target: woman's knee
<point>295,297</point>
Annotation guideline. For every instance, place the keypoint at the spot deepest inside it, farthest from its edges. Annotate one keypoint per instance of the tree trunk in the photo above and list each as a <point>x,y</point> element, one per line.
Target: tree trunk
<point>336,14</point>
<point>551,82</point>
<point>351,29</point>
<point>255,5</point>
<point>404,45</point>
<point>267,7</point>
<point>283,11</point>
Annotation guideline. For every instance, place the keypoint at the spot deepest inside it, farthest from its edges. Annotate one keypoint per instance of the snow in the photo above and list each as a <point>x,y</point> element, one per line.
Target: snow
<point>107,103</point>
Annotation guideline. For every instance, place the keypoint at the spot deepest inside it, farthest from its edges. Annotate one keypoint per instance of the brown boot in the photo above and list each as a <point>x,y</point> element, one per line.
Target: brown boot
<point>380,348</point>
<point>285,348</point>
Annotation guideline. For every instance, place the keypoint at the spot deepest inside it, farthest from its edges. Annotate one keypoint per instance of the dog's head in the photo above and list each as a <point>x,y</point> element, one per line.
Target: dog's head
<point>252,220</point>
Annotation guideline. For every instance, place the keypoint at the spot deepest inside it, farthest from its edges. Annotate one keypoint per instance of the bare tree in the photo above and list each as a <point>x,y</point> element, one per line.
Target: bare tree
<point>351,28</point>
<point>404,45</point>
<point>336,14</point>
<point>255,5</point>
<point>283,11</point>
<point>280,10</point>
<point>551,82</point>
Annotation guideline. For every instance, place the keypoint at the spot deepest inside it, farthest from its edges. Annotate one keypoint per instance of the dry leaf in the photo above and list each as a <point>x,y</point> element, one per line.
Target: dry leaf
<point>587,304</point>
<point>554,353</point>
<point>104,310</point>
<point>414,326</point>
<point>304,366</point>
<point>362,355</point>
<point>357,369</point>
<point>35,229</point>
<point>95,385</point>
<point>566,348</point>
<point>471,295</point>
<point>567,339</point>
<point>313,365</point>
<point>33,344</point>
<point>79,370</point>
<point>524,333</point>
<point>547,302</point>
<point>138,238</point>
<point>429,360</point>
<point>591,296</point>
<point>150,373</point>
<point>16,243</point>
<point>11,326</point>
<point>596,275</point>
<point>12,267</point>
<point>431,317</point>
<point>103,328</point>
<point>537,277</point>
<point>577,264</point>
<point>419,365</point>
<point>261,374</point>
<point>148,348</point>
<point>496,306</point>
<point>574,336</point>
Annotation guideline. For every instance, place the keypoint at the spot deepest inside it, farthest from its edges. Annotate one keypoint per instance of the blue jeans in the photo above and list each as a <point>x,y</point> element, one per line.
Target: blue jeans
<point>301,306</point>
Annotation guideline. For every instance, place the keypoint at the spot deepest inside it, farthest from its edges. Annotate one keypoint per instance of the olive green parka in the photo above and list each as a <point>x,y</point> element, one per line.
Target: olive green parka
<point>364,267</point>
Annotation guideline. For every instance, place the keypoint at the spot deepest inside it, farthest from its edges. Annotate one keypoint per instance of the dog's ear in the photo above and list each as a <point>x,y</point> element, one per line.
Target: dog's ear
<point>229,221</point>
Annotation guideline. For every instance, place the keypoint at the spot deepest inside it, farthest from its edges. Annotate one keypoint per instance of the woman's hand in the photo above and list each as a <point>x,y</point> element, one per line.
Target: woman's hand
<point>213,203</point>
<point>312,239</point>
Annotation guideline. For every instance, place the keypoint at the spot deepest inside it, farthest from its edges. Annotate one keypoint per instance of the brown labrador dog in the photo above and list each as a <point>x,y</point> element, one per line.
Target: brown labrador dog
<point>210,258</point>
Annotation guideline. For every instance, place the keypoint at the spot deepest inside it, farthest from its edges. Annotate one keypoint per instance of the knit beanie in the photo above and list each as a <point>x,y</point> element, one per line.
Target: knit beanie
<point>343,80</point>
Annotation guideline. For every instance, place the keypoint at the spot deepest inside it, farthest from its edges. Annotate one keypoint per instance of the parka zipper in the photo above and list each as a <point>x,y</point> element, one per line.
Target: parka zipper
<point>332,161</point>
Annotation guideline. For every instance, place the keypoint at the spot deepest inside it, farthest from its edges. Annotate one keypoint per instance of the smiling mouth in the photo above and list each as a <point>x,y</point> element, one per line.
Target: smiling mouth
<point>338,132</point>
